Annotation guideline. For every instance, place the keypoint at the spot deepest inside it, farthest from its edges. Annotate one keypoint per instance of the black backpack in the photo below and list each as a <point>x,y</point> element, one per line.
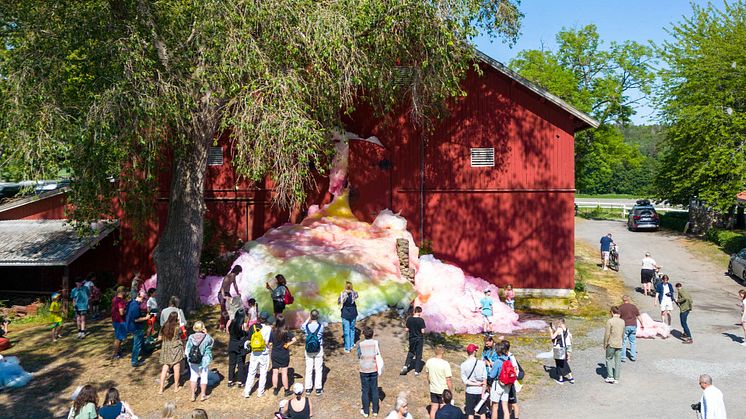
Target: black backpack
<point>195,355</point>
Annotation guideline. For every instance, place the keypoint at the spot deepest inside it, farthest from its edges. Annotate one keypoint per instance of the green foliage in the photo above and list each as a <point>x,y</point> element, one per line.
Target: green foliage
<point>597,80</point>
<point>703,106</point>
<point>426,247</point>
<point>599,213</point>
<point>730,241</point>
<point>673,220</point>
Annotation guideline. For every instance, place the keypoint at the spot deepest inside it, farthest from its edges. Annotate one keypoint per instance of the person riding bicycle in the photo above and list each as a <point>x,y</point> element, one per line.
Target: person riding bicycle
<point>606,242</point>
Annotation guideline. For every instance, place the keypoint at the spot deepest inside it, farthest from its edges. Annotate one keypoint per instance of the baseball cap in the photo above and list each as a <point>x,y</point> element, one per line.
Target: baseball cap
<point>471,348</point>
<point>297,388</point>
<point>264,315</point>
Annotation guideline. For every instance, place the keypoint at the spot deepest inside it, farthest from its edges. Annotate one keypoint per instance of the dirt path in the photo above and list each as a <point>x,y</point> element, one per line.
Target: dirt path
<point>663,382</point>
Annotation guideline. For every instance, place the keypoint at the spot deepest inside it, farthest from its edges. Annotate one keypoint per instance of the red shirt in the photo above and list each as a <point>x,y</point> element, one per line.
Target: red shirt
<point>117,304</point>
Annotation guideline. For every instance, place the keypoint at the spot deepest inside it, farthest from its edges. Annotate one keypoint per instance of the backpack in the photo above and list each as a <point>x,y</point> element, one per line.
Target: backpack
<point>257,343</point>
<point>312,340</point>
<point>507,375</point>
<point>288,298</point>
<point>195,354</point>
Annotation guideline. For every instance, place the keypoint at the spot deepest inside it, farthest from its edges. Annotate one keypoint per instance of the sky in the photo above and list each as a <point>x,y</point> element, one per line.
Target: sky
<point>617,20</point>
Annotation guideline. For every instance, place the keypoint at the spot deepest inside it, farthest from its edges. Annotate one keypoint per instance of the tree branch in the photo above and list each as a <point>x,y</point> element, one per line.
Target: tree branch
<point>158,43</point>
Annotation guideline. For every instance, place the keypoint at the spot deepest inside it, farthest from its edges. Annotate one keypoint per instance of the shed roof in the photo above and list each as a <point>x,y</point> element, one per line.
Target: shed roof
<point>583,120</point>
<point>45,242</point>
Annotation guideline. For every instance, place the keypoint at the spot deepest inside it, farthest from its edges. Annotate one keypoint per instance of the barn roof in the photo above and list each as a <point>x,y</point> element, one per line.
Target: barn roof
<point>45,242</point>
<point>583,120</point>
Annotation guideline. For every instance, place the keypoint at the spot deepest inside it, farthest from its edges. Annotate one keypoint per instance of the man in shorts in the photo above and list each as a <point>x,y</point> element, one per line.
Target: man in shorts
<point>499,392</point>
<point>117,321</point>
<point>606,242</point>
<point>664,298</point>
<point>80,295</point>
<point>474,376</point>
<point>647,273</point>
<point>439,375</point>
<point>485,304</point>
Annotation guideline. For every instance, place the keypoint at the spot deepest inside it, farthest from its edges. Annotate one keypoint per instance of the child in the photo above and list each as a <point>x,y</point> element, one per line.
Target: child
<point>251,313</point>
<point>152,305</point>
<point>55,312</point>
<point>486,307</point>
<point>510,296</point>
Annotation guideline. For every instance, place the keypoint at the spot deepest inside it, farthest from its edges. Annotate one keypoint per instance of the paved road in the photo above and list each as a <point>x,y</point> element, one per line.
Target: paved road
<point>663,382</point>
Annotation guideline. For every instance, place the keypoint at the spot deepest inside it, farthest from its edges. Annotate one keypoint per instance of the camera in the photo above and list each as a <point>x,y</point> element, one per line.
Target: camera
<point>697,406</point>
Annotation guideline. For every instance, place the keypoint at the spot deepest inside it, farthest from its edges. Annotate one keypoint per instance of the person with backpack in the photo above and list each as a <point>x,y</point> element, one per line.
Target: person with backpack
<point>135,322</point>
<point>439,375</point>
<point>258,345</point>
<point>474,377</point>
<point>314,332</point>
<point>561,351</point>
<point>280,295</point>
<point>516,387</point>
<point>80,296</point>
<point>349,315</point>
<point>199,355</point>
<point>280,340</point>
<point>367,352</point>
<point>502,375</point>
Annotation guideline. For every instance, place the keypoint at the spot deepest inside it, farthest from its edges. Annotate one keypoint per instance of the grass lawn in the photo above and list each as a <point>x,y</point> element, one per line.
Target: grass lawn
<point>59,368</point>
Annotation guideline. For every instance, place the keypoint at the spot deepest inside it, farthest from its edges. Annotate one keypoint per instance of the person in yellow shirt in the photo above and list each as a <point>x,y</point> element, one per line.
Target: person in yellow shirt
<point>55,311</point>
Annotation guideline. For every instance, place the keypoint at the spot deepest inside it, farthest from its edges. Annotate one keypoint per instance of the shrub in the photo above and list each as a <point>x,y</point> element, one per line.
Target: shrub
<point>674,220</point>
<point>731,241</point>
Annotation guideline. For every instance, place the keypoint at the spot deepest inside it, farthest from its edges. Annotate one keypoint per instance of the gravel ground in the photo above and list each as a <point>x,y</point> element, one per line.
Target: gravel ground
<point>663,381</point>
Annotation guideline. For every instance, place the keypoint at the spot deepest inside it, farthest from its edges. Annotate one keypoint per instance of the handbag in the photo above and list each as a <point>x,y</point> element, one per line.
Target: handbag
<point>379,361</point>
<point>560,352</point>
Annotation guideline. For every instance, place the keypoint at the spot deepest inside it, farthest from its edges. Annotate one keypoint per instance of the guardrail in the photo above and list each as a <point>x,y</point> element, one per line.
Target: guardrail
<point>623,208</point>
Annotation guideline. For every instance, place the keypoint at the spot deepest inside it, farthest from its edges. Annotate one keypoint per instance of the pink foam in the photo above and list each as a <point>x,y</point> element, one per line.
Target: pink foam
<point>651,328</point>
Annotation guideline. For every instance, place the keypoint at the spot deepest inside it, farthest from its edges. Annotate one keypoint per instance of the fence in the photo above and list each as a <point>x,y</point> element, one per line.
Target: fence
<point>623,208</point>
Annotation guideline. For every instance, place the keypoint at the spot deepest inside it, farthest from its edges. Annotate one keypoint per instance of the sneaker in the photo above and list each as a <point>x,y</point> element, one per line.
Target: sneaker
<point>609,380</point>
<point>241,385</point>
<point>231,384</point>
<point>614,381</point>
<point>688,341</point>
<point>246,394</point>
<point>559,381</point>
<point>633,359</point>
<point>362,412</point>
<point>260,395</point>
<point>416,373</point>
<point>308,392</point>
<point>404,371</point>
<point>319,392</point>
<point>276,391</point>
<point>375,414</point>
<point>288,393</point>
<point>572,381</point>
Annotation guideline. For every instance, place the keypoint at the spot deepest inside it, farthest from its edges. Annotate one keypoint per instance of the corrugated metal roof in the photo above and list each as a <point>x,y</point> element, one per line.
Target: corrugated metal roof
<point>587,120</point>
<point>45,242</point>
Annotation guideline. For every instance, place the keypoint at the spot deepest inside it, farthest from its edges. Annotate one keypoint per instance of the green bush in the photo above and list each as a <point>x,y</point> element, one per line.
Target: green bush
<point>599,213</point>
<point>731,241</point>
<point>674,220</point>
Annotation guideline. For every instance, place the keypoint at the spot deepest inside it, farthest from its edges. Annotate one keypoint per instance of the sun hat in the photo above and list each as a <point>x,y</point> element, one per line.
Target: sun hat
<point>55,295</point>
<point>297,388</point>
<point>471,348</point>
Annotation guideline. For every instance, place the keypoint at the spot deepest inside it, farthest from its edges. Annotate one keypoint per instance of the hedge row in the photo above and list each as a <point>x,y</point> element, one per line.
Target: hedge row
<point>731,241</point>
<point>674,220</point>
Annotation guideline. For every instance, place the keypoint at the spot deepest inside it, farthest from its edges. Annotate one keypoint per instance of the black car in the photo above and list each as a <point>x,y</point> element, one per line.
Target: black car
<point>643,216</point>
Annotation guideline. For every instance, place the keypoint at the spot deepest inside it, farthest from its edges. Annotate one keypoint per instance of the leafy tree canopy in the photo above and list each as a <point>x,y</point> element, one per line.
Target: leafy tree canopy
<point>703,98</point>
<point>598,81</point>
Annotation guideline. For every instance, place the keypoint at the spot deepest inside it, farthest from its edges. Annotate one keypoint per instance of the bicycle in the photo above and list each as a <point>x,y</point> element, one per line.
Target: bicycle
<point>614,257</point>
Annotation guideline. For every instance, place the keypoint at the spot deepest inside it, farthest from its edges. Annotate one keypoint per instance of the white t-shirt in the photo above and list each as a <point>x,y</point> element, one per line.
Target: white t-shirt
<point>648,263</point>
<point>712,404</point>
<point>665,299</point>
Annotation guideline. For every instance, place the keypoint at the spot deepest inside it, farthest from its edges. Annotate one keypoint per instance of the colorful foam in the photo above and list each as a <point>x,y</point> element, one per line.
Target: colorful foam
<point>650,328</point>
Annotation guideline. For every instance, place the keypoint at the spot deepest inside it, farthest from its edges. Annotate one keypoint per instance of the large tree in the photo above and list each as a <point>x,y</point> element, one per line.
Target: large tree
<point>703,100</point>
<point>113,89</point>
<point>605,82</point>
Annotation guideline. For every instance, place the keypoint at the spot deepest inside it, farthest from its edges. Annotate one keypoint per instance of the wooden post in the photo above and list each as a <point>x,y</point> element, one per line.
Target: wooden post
<point>65,291</point>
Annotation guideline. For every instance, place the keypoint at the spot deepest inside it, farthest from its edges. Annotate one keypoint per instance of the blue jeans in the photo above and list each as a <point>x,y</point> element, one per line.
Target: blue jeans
<point>369,382</point>
<point>348,329</point>
<point>683,316</point>
<point>630,336</point>
<point>137,338</point>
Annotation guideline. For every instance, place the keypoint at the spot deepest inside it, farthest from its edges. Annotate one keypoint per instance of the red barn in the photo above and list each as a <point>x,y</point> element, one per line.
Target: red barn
<point>490,188</point>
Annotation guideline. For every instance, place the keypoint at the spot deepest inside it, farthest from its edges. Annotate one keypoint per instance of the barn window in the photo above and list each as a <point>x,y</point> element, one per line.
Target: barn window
<point>215,156</point>
<point>482,157</point>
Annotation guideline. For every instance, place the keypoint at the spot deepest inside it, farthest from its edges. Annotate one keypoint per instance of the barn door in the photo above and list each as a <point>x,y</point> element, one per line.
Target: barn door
<point>369,176</point>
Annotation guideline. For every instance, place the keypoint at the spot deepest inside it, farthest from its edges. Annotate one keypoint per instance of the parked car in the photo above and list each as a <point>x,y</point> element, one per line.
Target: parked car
<point>643,216</point>
<point>737,265</point>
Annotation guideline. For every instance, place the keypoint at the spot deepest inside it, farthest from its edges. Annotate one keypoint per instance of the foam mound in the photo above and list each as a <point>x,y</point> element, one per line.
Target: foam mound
<point>650,328</point>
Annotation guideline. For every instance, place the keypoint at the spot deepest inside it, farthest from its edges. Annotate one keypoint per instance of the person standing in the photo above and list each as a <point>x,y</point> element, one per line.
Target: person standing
<point>314,332</point>
<point>664,298</point>
<point>742,295</point>
<point>561,351</point>
<point>711,404</point>
<point>510,296</point>
<point>685,303</point>
<point>237,336</point>
<point>80,296</point>
<point>448,410</point>
<point>258,343</point>
<point>55,312</point>
<point>199,355</point>
<point>415,328</point>
<point>606,242</point>
<point>474,377</point>
<point>278,293</point>
<point>152,306</point>
<point>135,286</point>
<point>631,315</point>
<point>118,306</point>
<point>485,305</point>
<point>647,273</point>
<point>172,351</point>
<point>280,340</point>
<point>489,353</point>
<point>349,315</point>
<point>173,306</point>
<point>367,351</point>
<point>439,375</point>
<point>224,294</point>
<point>499,391</point>
<point>136,325</point>
<point>300,406</point>
<point>516,387</point>
<point>613,339</point>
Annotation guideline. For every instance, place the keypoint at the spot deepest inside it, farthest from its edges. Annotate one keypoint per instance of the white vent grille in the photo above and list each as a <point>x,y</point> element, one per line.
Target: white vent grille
<point>215,156</point>
<point>482,157</point>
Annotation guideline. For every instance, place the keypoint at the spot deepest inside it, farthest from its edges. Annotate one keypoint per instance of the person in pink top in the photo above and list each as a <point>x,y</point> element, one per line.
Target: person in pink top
<point>510,296</point>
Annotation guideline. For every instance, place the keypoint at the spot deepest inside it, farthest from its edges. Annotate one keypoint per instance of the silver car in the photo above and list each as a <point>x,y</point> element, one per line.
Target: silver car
<point>737,265</point>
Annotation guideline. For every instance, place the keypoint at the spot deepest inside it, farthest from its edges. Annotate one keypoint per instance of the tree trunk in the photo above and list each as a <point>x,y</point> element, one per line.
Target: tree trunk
<point>179,248</point>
